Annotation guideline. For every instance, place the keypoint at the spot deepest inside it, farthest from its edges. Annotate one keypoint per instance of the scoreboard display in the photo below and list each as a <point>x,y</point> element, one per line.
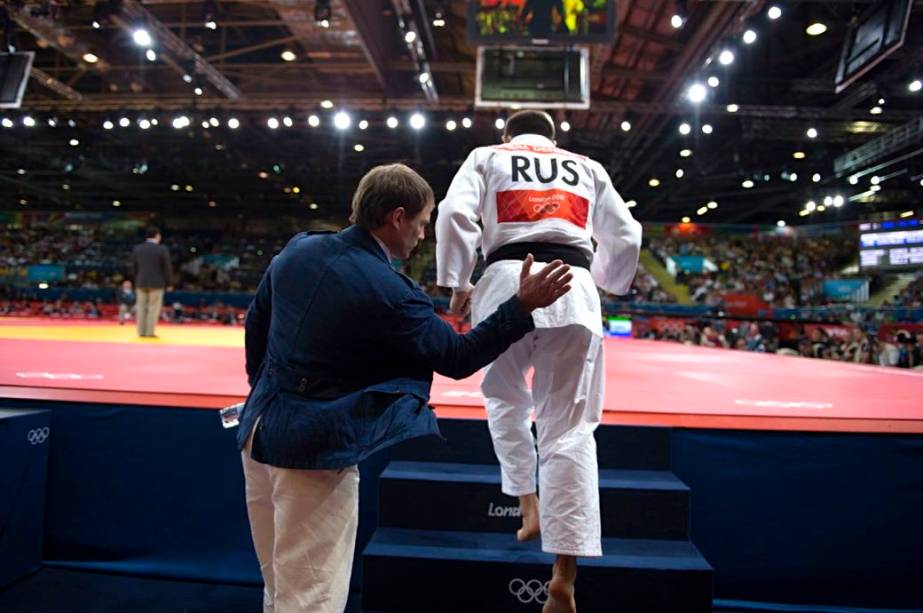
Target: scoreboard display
<point>891,245</point>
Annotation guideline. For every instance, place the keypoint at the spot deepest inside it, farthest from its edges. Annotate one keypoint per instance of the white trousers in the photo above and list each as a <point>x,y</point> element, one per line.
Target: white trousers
<point>304,530</point>
<point>567,397</point>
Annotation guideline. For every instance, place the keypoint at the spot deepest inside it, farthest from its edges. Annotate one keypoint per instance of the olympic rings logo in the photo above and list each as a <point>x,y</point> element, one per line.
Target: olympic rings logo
<point>38,435</point>
<point>529,591</point>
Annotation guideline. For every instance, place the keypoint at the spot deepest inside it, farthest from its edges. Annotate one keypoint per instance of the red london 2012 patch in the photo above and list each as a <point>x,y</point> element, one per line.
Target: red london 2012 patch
<point>527,205</point>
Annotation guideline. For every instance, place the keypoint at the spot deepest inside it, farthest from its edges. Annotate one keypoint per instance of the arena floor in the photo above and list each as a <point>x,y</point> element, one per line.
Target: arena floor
<point>648,382</point>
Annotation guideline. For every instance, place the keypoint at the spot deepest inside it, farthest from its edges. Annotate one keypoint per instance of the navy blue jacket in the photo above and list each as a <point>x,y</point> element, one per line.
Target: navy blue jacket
<point>341,351</point>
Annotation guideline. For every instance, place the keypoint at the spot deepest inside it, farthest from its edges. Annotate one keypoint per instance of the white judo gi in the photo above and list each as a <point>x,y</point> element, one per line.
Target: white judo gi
<point>528,190</point>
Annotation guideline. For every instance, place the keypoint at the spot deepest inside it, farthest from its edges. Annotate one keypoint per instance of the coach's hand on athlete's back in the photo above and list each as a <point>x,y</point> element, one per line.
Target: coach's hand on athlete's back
<point>544,287</point>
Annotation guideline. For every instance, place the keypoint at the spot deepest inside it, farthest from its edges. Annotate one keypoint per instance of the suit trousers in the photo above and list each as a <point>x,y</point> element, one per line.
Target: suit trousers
<point>150,301</point>
<point>303,524</point>
<point>567,397</point>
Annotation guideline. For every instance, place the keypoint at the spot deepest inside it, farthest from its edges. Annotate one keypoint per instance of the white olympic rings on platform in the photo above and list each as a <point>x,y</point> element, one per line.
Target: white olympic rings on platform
<point>38,436</point>
<point>529,591</point>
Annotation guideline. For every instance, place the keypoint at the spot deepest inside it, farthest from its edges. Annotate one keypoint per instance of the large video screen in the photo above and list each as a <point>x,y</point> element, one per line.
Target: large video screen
<point>889,245</point>
<point>530,21</point>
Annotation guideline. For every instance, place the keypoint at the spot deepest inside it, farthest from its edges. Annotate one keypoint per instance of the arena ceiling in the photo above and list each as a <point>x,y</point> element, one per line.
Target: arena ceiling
<point>757,161</point>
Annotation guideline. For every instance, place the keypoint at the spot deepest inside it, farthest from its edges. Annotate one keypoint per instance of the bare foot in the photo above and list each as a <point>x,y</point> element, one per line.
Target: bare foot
<point>561,586</point>
<point>528,505</point>
<point>560,597</point>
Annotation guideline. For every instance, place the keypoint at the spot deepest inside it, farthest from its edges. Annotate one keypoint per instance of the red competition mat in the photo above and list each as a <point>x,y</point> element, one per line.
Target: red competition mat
<point>647,382</point>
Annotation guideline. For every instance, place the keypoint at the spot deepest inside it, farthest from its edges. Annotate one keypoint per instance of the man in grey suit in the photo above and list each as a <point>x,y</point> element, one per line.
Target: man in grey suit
<point>150,263</point>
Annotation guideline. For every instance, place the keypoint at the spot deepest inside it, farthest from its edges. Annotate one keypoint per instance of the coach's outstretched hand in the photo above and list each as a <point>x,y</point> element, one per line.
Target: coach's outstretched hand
<point>544,287</point>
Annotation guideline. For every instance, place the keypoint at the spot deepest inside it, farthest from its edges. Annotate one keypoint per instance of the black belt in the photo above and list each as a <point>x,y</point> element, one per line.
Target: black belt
<point>542,252</point>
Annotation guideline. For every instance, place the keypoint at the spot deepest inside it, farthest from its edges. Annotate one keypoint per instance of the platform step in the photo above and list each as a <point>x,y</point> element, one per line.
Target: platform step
<point>418,570</point>
<point>468,442</point>
<point>448,496</point>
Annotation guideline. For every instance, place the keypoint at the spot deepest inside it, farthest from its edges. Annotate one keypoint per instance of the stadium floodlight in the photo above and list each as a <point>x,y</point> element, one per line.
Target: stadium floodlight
<point>233,123</point>
<point>273,123</point>
<point>685,128</point>
<point>417,121</point>
<point>749,37</point>
<point>142,37</point>
<point>774,12</point>
<point>342,120</point>
<point>466,122</point>
<point>392,122</point>
<point>313,121</point>
<point>696,93</point>
<point>726,57</point>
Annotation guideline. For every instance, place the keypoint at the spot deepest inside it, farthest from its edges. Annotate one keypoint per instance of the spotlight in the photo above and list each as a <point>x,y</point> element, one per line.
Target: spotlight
<point>326,104</point>
<point>876,110</point>
<point>749,37</point>
<point>654,182</point>
<point>209,10</point>
<point>410,37</point>
<point>424,78</point>
<point>915,85</point>
<point>144,124</point>
<point>187,78</point>
<point>685,153</point>
<point>438,22</point>
<point>108,125</point>
<point>466,122</point>
<point>828,200</point>
<point>810,205</point>
<point>780,223</point>
<point>702,210</point>
<point>124,122</point>
<point>52,122</point>
<point>631,204</point>
<point>565,126</point>
<point>342,121</point>
<point>215,123</point>
<point>816,29</point>
<point>876,180</point>
<point>726,57</point>
<point>450,125</point>
<point>774,12</point>
<point>812,133</point>
<point>838,201</point>
<point>793,177</point>
<point>233,123</point>
<point>363,124</point>
<point>313,121</point>
<point>288,55</point>
<point>696,93</point>
<point>853,180</point>
<point>28,121</point>
<point>174,187</point>
<point>677,21</point>
<point>205,124</point>
<point>685,220</point>
<point>273,123</point>
<point>211,24</point>
<point>733,108</point>
<point>151,55</point>
<point>417,121</point>
<point>116,203</point>
<point>499,123</point>
<point>712,205</point>
<point>713,81</point>
<point>392,122</point>
<point>747,184</point>
<point>313,206</point>
<point>287,121</point>
<point>685,128</point>
<point>707,129</point>
<point>73,142</point>
<point>181,122</point>
<point>322,13</point>
<point>142,37</point>
<point>358,148</point>
<point>626,126</point>
<point>680,173</point>
<point>90,58</point>
<point>816,177</point>
<point>799,155</point>
<point>198,91</point>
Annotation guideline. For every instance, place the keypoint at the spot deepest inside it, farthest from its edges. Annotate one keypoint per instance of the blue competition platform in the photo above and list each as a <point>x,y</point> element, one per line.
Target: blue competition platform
<point>789,521</point>
<point>24,440</point>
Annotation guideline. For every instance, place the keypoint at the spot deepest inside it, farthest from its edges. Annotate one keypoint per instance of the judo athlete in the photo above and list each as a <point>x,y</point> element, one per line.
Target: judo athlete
<point>526,196</point>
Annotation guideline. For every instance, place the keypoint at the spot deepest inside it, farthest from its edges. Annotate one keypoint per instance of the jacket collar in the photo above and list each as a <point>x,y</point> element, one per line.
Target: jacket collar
<point>363,239</point>
<point>532,139</point>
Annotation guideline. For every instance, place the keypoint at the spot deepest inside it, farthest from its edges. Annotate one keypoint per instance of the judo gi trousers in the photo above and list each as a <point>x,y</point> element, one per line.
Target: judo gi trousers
<point>304,530</point>
<point>567,397</point>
